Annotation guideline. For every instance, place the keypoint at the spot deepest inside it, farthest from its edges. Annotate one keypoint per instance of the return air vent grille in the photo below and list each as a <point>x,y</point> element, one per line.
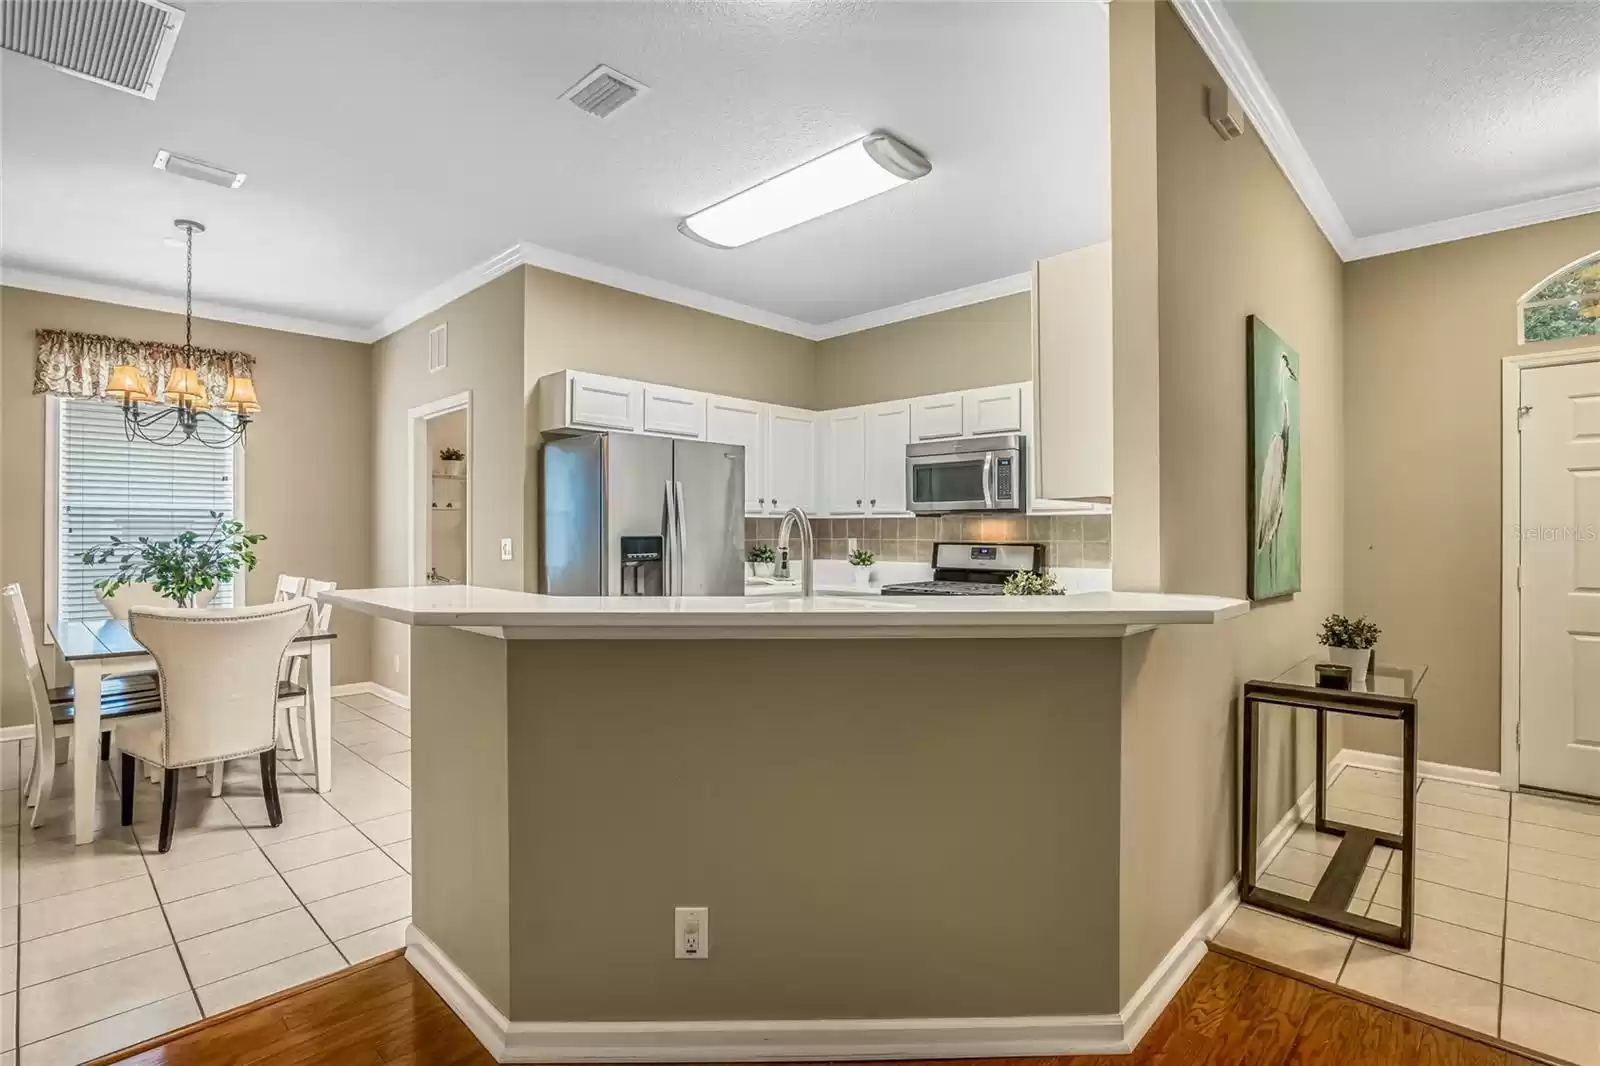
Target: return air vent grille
<point>602,91</point>
<point>121,43</point>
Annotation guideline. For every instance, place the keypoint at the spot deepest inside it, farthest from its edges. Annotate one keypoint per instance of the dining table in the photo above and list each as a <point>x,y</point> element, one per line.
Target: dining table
<point>99,649</point>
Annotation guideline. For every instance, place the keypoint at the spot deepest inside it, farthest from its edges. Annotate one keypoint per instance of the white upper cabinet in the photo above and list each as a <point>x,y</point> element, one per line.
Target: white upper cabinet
<point>742,422</point>
<point>888,431</point>
<point>570,399</point>
<point>937,417</point>
<point>674,412</point>
<point>791,460</point>
<point>996,410</point>
<point>846,472</point>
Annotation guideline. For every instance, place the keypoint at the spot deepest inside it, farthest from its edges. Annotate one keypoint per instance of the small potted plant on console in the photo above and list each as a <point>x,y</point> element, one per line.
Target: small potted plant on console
<point>451,461</point>
<point>762,560</point>
<point>1349,643</point>
<point>861,561</point>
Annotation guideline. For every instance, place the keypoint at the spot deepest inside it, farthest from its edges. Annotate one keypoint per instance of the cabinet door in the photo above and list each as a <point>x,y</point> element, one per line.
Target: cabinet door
<point>888,433</point>
<point>605,403</point>
<point>740,422</point>
<point>996,410</point>
<point>675,412</point>
<point>847,462</point>
<point>791,450</point>
<point>937,417</point>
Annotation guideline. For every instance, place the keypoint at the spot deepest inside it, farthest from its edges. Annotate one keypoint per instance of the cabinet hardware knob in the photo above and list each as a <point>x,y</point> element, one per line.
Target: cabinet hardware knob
<point>858,503</point>
<point>874,503</point>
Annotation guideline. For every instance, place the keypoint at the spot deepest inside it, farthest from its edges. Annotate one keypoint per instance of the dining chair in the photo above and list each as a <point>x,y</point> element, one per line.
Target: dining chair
<point>289,588</point>
<point>292,696</point>
<point>121,698</point>
<point>219,687</point>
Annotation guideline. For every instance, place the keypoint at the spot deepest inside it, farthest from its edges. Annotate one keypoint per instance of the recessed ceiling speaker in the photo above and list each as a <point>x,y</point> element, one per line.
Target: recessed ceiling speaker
<point>124,44</point>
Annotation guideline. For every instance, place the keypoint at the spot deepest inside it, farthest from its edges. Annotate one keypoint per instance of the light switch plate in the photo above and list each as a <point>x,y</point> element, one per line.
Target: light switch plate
<point>505,549</point>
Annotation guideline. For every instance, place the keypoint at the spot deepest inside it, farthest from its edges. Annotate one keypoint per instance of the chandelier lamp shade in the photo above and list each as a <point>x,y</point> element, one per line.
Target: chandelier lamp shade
<point>183,411</point>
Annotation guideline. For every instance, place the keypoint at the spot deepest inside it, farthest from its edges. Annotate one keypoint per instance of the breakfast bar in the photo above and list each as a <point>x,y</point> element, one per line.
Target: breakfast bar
<point>927,830</point>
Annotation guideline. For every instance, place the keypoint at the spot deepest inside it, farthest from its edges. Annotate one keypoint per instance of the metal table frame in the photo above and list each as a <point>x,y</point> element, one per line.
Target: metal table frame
<point>1332,895</point>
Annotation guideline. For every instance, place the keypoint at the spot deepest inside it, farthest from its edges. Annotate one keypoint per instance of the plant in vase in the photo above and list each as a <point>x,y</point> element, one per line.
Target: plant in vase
<point>186,569</point>
<point>1349,643</point>
<point>451,461</point>
<point>762,560</point>
<point>1028,583</point>
<point>861,562</point>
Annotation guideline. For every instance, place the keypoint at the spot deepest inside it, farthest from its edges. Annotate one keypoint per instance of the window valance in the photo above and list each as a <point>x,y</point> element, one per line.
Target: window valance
<point>80,364</point>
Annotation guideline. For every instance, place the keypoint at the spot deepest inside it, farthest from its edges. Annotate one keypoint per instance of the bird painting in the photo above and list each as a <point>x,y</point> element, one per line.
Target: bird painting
<point>1274,521</point>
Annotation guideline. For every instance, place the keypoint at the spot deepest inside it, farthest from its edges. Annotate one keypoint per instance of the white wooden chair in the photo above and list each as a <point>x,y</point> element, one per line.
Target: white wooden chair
<point>121,698</point>
<point>293,701</point>
<point>219,686</point>
<point>288,588</point>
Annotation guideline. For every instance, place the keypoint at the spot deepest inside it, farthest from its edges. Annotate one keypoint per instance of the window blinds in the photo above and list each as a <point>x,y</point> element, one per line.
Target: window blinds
<point>110,486</point>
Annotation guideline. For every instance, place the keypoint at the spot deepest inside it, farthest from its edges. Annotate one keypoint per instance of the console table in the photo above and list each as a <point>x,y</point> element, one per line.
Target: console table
<point>1390,693</point>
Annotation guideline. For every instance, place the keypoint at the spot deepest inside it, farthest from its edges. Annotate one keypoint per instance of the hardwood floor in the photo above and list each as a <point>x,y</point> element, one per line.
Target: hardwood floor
<point>1229,1013</point>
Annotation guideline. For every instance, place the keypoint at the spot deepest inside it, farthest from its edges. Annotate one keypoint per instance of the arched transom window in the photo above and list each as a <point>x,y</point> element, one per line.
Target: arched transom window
<point>1566,305</point>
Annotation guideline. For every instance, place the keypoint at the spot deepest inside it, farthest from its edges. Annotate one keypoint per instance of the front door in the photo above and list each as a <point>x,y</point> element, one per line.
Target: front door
<point>1559,536</point>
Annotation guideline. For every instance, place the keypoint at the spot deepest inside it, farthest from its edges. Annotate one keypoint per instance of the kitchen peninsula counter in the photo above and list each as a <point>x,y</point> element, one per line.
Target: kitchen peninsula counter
<point>907,846</point>
<point>522,615</point>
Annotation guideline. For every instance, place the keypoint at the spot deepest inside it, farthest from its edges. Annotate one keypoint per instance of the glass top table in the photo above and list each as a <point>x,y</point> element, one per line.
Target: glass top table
<point>1382,679</point>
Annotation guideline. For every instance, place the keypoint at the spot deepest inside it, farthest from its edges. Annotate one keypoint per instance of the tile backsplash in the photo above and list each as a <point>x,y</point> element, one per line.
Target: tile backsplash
<point>1069,540</point>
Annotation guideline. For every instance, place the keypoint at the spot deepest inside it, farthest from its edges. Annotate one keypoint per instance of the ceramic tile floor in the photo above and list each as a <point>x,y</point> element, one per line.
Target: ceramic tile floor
<point>112,943</point>
<point>1507,931</point>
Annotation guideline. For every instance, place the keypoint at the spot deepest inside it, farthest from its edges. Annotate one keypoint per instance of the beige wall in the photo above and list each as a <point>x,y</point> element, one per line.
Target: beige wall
<point>989,343</point>
<point>485,358</point>
<point>307,460</point>
<point>1426,331</point>
<point>1234,241</point>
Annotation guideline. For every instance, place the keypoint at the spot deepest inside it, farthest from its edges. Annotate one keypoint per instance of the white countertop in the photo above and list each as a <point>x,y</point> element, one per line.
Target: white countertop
<point>526,616</point>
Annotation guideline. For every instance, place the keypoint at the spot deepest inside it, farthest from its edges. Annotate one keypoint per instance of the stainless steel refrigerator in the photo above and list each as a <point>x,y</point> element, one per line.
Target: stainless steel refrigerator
<point>628,515</point>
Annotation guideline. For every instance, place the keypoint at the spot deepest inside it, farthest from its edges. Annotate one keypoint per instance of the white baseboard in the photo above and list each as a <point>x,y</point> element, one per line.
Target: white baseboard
<point>1146,1005</point>
<point>375,689</point>
<point>809,1040</point>
<point>1439,771</point>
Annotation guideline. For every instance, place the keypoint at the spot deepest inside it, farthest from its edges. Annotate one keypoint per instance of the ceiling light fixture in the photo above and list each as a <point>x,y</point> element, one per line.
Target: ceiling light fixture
<point>199,170</point>
<point>861,169</point>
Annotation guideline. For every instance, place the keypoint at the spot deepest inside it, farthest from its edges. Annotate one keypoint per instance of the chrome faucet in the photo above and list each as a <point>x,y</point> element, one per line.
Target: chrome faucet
<point>795,516</point>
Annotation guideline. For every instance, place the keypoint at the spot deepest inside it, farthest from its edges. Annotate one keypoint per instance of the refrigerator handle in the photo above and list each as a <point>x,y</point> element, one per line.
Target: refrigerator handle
<point>673,555</point>
<point>683,537</point>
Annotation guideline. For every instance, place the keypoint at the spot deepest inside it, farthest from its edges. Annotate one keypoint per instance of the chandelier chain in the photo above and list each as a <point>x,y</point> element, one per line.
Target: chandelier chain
<point>188,296</point>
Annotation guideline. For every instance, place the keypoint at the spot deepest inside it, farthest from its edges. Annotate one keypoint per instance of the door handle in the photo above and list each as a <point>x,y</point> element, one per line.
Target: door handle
<point>683,541</point>
<point>673,553</point>
<point>988,480</point>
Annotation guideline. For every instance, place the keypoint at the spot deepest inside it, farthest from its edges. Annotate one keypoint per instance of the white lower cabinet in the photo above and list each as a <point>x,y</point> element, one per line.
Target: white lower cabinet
<point>845,475</point>
<point>888,431</point>
<point>743,422</point>
<point>791,450</point>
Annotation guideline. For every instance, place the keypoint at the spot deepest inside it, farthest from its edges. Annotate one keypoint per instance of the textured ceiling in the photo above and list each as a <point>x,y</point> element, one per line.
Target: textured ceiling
<point>391,146</point>
<point>1417,112</point>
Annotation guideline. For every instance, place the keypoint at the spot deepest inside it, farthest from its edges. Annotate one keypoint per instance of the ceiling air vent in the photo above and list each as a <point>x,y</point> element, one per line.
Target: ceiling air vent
<point>603,90</point>
<point>121,43</point>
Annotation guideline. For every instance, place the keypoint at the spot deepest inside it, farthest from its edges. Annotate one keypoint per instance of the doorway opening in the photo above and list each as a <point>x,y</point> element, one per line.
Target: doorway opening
<point>441,492</point>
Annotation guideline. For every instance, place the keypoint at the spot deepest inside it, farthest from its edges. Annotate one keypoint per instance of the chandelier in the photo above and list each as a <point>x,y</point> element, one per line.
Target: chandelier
<point>185,415</point>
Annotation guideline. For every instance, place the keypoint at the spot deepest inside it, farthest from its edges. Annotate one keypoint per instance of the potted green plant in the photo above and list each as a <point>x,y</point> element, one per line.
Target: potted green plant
<point>1028,583</point>
<point>762,560</point>
<point>186,569</point>
<point>1349,643</point>
<point>452,461</point>
<point>861,561</point>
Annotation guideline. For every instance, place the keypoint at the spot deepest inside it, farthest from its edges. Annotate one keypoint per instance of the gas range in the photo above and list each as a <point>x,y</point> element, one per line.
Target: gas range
<point>972,569</point>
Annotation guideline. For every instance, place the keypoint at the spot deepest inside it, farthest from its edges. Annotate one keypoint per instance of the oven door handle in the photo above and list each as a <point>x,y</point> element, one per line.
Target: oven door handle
<point>988,480</point>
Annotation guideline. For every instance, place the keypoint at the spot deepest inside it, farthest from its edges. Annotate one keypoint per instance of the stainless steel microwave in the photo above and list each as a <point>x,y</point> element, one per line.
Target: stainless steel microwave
<point>969,474</point>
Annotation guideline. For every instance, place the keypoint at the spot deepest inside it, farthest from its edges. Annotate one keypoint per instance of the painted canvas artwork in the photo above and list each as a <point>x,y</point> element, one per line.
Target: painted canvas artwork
<point>1274,403</point>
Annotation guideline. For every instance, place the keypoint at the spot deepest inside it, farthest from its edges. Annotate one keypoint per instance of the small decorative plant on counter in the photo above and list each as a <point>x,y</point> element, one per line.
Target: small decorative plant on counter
<point>188,567</point>
<point>861,561</point>
<point>762,559</point>
<point>1028,583</point>
<point>451,460</point>
<point>1349,643</point>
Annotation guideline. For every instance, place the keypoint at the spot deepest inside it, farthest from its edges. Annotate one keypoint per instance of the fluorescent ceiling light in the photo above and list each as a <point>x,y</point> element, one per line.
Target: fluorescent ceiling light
<point>861,169</point>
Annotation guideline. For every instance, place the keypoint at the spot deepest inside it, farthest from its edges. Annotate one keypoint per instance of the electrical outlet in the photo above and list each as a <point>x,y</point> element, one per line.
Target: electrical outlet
<point>505,549</point>
<point>692,932</point>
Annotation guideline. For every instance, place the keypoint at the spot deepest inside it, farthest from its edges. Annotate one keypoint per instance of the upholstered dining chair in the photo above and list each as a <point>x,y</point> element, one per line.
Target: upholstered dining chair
<point>219,687</point>
<point>121,698</point>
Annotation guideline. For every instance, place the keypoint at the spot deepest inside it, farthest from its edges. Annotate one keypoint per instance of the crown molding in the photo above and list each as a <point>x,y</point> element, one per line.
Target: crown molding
<point>927,305</point>
<point>452,288</point>
<point>128,296</point>
<point>1220,40</point>
<point>1512,216</point>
